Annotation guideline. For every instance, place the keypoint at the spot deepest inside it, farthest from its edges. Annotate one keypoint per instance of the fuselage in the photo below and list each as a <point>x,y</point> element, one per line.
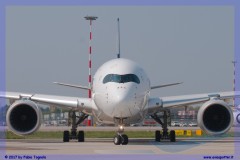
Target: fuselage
<point>120,91</point>
<point>236,115</point>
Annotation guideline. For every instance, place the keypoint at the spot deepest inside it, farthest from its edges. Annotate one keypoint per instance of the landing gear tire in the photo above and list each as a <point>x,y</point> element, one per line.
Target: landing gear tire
<point>73,135</point>
<point>158,136</point>
<point>117,140</point>
<point>80,136</point>
<point>66,136</point>
<point>172,136</point>
<point>124,139</point>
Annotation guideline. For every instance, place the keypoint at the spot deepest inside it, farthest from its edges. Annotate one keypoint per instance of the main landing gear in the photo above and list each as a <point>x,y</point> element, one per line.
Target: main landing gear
<point>165,135</point>
<point>120,138</point>
<point>73,121</point>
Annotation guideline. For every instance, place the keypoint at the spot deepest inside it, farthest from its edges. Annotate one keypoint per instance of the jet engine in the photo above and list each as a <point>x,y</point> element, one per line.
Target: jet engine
<point>215,117</point>
<point>24,117</point>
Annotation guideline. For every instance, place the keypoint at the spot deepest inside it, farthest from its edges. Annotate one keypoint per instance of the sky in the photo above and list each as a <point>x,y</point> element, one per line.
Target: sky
<point>189,44</point>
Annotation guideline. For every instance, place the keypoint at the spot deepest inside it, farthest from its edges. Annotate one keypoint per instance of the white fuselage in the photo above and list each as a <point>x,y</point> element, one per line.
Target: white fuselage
<point>120,91</point>
<point>236,115</point>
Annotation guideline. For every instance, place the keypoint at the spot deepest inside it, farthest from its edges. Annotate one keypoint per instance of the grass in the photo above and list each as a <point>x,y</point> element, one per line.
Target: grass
<point>88,134</point>
<point>98,134</point>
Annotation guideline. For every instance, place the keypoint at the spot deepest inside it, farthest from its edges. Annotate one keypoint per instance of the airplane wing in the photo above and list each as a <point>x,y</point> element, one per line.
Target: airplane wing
<point>83,104</point>
<point>156,104</point>
<point>72,85</point>
<point>165,85</point>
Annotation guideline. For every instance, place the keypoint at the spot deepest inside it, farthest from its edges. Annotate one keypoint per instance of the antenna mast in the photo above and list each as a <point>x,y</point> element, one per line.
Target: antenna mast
<point>118,25</point>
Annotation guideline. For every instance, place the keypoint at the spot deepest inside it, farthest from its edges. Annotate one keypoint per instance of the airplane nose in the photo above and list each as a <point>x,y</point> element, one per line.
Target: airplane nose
<point>122,104</point>
<point>121,99</point>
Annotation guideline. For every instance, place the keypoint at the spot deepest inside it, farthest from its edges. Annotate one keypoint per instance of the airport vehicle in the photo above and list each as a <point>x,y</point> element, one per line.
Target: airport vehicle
<point>175,124</point>
<point>148,121</point>
<point>183,124</point>
<point>120,95</point>
<point>192,124</point>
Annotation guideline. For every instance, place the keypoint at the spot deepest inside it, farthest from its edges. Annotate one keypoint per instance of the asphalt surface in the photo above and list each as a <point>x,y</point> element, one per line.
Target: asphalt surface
<point>135,146</point>
<point>103,148</point>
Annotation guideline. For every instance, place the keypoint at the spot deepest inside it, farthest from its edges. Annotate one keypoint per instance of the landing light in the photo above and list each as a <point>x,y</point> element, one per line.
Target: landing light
<point>121,128</point>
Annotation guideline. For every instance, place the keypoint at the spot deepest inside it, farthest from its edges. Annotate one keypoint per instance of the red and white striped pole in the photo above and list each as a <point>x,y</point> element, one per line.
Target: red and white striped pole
<point>90,18</point>
<point>234,74</point>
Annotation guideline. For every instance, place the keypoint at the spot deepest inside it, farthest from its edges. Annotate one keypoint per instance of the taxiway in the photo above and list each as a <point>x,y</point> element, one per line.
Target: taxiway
<point>201,145</point>
<point>136,149</point>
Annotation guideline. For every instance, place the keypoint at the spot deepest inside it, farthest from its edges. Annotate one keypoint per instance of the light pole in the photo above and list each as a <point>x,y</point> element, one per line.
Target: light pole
<point>234,76</point>
<point>90,19</point>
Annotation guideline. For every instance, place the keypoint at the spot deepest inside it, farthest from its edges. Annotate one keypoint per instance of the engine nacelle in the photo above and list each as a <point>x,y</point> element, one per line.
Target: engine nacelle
<point>215,117</point>
<point>24,117</point>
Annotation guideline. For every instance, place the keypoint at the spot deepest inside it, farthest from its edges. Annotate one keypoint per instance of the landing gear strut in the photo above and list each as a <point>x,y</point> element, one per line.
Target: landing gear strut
<point>120,138</point>
<point>73,121</point>
<point>165,116</point>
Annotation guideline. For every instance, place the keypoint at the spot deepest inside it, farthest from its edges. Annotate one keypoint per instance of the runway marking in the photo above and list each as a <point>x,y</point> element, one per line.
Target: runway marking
<point>175,147</point>
<point>124,152</point>
<point>192,144</point>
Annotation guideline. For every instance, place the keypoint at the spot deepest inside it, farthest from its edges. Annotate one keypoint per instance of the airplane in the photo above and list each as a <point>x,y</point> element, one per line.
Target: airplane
<point>120,95</point>
<point>236,115</point>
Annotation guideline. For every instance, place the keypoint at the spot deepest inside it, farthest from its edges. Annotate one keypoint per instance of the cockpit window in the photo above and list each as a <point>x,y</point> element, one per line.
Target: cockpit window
<point>121,78</point>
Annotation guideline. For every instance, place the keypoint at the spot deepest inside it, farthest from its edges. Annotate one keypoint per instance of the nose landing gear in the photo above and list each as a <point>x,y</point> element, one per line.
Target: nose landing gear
<point>120,138</point>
